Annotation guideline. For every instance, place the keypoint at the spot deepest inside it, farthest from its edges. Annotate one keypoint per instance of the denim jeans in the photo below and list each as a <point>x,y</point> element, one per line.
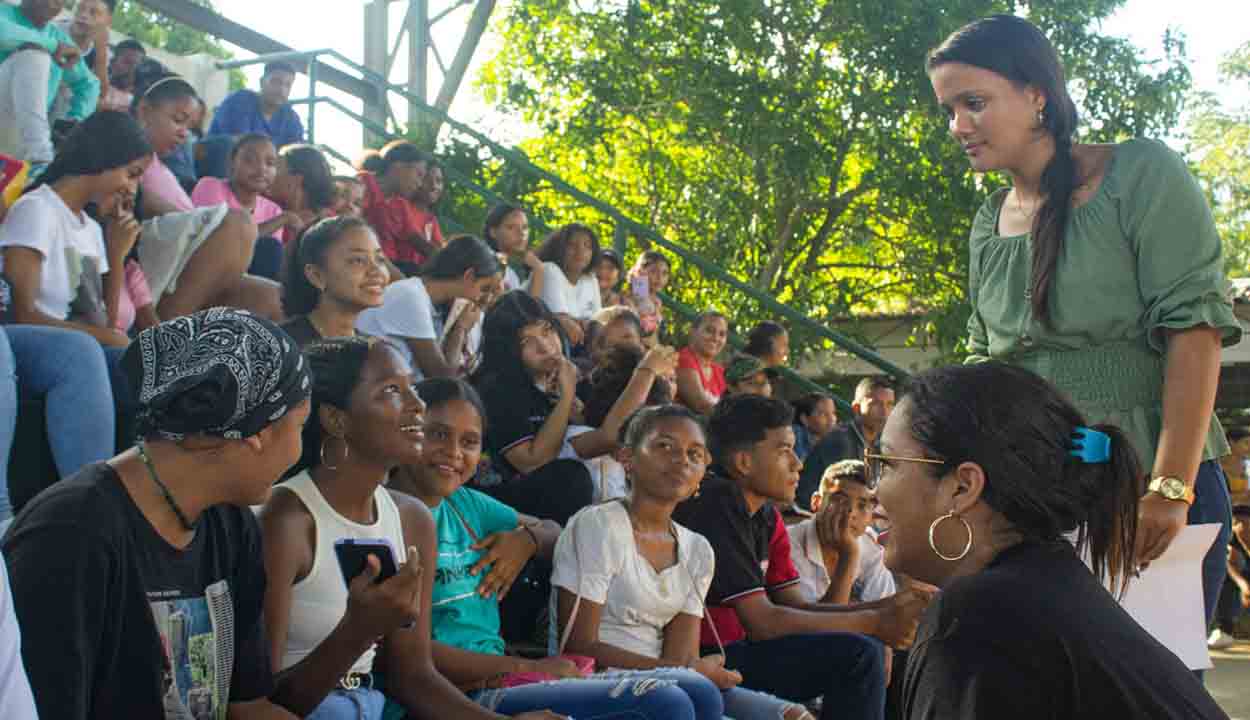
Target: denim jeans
<point>68,369</point>
<point>847,668</point>
<point>363,703</point>
<point>628,695</point>
<point>1212,505</point>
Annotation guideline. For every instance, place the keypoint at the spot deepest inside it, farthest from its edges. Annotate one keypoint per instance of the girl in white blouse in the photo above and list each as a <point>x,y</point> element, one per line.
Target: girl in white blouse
<point>630,582</point>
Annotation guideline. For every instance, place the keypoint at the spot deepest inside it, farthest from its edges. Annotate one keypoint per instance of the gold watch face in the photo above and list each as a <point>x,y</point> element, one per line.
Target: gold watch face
<point>1171,488</point>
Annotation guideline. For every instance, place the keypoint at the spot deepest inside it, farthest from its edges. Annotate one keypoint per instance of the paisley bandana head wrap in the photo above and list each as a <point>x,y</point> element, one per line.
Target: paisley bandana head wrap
<point>220,372</point>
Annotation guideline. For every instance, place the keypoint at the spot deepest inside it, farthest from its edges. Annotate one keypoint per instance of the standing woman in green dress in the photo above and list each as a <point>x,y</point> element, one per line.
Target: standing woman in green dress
<point>1099,269</point>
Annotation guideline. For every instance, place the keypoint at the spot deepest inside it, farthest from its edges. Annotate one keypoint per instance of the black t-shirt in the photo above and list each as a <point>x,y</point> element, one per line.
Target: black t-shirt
<point>116,623</point>
<point>515,411</point>
<point>1035,636</point>
<point>301,331</point>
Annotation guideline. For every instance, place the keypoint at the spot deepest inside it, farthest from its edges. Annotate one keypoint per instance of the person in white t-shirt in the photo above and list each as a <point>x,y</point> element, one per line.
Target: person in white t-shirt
<point>836,552</point>
<point>570,289</point>
<point>15,694</point>
<point>408,319</point>
<point>63,270</point>
<point>630,582</point>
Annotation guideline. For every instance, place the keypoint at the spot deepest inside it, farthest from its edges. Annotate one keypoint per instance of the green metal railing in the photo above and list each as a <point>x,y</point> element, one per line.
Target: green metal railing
<point>624,225</point>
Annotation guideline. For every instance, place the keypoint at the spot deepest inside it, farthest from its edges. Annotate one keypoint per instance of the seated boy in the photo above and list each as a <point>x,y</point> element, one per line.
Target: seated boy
<point>747,375</point>
<point>781,643</point>
<point>836,552</point>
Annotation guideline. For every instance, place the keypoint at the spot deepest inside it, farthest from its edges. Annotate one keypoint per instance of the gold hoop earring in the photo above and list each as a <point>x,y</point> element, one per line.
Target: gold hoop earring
<point>328,466</point>
<point>933,544</point>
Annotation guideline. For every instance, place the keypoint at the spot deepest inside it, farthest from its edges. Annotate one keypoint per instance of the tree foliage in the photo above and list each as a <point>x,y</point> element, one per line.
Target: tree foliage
<point>156,30</point>
<point>794,142</point>
<point>1219,140</point>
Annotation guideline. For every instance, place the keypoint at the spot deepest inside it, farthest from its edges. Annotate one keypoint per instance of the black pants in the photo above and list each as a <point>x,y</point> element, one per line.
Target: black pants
<point>554,491</point>
<point>267,259</point>
<point>847,669</point>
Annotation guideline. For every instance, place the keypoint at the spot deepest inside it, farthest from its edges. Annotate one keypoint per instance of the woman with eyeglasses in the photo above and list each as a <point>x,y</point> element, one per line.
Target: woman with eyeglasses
<point>984,493</point>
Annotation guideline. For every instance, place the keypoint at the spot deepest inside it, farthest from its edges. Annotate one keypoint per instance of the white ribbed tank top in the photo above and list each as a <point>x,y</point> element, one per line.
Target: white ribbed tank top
<point>319,601</point>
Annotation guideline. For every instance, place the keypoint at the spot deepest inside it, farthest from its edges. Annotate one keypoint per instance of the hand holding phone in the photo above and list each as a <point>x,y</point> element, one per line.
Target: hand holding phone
<point>381,595</point>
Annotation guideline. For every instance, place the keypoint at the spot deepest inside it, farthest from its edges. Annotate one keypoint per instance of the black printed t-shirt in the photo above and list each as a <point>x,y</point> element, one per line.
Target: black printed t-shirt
<point>750,558</point>
<point>1035,636</point>
<point>116,623</point>
<point>515,411</point>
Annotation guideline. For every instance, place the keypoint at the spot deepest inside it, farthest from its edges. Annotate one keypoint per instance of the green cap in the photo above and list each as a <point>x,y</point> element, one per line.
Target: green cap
<point>742,366</point>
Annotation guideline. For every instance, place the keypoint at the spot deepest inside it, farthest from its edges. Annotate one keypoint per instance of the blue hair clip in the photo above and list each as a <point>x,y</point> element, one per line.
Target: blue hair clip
<point>1090,446</point>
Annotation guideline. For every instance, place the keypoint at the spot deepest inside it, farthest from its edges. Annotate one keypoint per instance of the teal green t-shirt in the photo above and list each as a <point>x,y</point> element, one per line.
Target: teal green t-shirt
<point>460,617</point>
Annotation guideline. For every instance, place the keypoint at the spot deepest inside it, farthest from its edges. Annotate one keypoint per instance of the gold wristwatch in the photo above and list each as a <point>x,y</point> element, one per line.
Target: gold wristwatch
<point>1171,487</point>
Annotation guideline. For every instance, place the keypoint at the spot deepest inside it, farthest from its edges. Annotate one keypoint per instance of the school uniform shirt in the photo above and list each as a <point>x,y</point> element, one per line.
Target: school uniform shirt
<point>120,624</point>
<point>580,300</point>
<point>1035,636</point>
<point>240,114</point>
<point>406,313</point>
<point>395,219</point>
<point>515,411</point>
<point>597,557</point>
<point>70,245</point>
<point>872,580</point>
<point>752,552</point>
<point>458,615</point>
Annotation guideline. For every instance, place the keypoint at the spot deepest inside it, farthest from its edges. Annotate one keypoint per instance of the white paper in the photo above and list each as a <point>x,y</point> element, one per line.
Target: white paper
<point>1167,599</point>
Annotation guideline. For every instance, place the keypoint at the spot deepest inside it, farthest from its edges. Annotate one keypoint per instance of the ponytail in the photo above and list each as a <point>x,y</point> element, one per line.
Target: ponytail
<point>1050,224</point>
<point>1111,492</point>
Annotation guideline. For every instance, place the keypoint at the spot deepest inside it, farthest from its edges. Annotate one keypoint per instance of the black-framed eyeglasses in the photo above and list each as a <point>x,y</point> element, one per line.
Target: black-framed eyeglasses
<point>874,461</point>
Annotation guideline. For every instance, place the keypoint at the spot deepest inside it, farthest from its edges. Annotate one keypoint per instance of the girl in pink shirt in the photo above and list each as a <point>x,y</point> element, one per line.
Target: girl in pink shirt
<point>253,167</point>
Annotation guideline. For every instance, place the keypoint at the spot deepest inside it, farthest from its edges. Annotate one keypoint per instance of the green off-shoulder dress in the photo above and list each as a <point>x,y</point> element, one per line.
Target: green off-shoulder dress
<point>1142,255</point>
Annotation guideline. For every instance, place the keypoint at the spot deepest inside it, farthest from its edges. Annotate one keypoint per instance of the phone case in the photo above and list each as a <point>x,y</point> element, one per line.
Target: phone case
<point>352,554</point>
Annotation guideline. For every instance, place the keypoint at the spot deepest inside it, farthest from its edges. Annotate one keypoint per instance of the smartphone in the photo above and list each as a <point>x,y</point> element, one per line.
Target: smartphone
<point>640,285</point>
<point>354,552</point>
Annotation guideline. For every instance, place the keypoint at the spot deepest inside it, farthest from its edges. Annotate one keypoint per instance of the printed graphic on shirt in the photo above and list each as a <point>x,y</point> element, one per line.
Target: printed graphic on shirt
<point>452,581</point>
<point>198,637</point>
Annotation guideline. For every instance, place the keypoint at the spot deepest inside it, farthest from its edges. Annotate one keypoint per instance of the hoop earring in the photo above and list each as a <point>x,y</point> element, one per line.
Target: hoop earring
<point>328,466</point>
<point>933,531</point>
<point>1041,118</point>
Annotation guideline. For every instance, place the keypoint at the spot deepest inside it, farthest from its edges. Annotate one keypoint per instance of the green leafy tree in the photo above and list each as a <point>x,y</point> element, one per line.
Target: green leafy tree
<point>794,142</point>
<point>1220,142</point>
<point>159,31</point>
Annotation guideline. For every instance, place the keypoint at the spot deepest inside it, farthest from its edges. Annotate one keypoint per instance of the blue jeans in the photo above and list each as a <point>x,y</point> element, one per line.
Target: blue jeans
<point>68,368</point>
<point>360,704</point>
<point>1212,505</point>
<point>848,668</point>
<point>628,695</point>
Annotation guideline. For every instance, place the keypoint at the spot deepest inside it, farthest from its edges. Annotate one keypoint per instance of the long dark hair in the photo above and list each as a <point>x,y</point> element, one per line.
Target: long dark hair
<point>1015,49</point>
<point>463,252</point>
<point>336,366</point>
<point>974,413</point>
<point>760,339</point>
<point>554,247</point>
<point>105,141</point>
<point>494,219</point>
<point>501,328</point>
<point>314,172</point>
<point>155,84</point>
<point>299,296</point>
